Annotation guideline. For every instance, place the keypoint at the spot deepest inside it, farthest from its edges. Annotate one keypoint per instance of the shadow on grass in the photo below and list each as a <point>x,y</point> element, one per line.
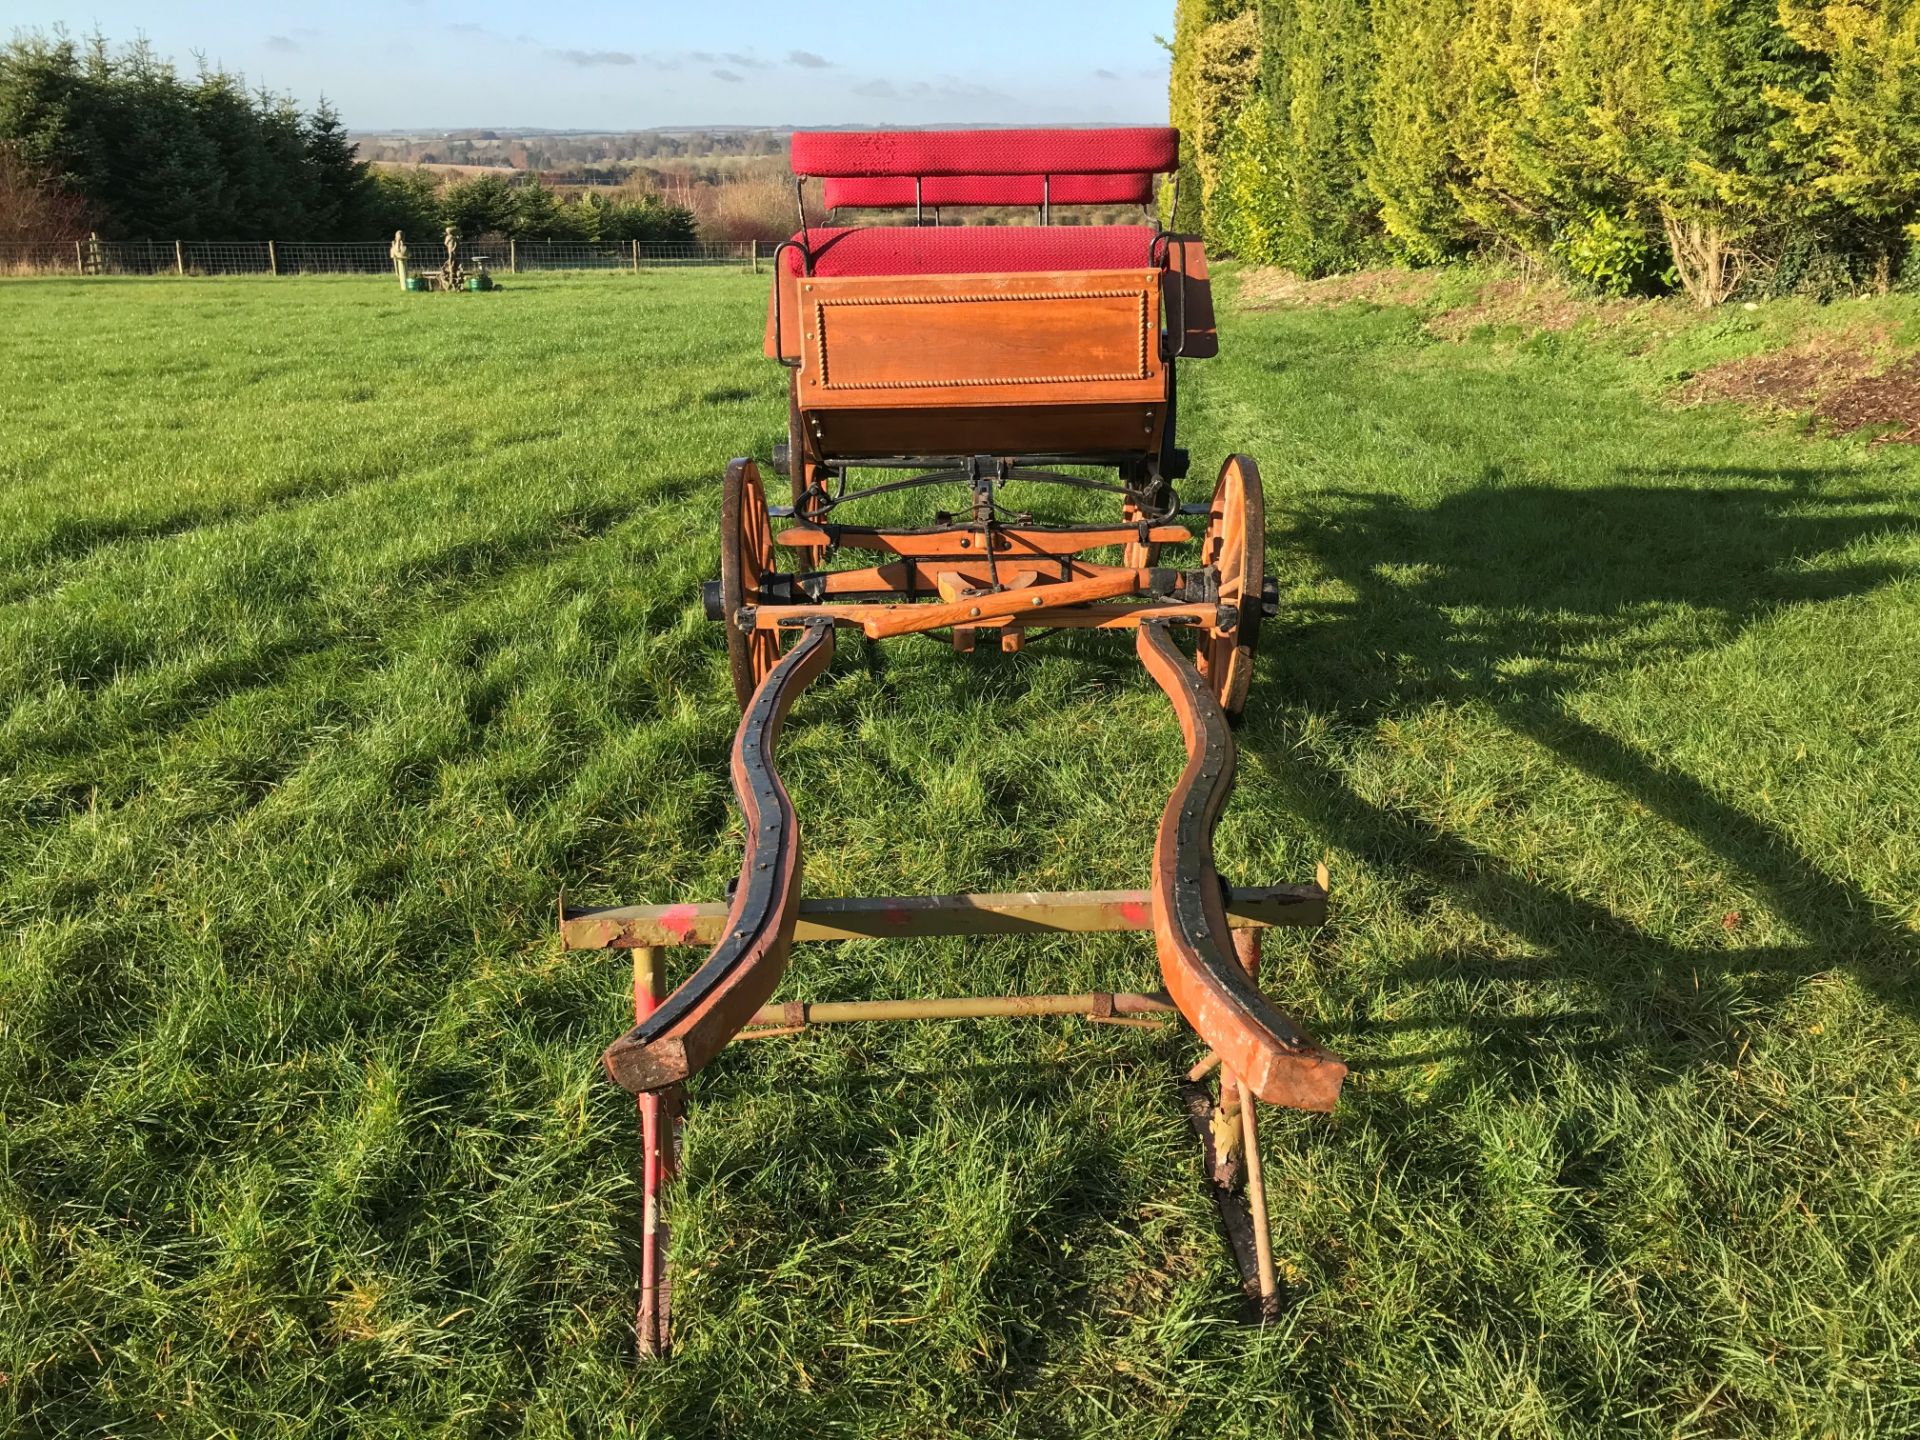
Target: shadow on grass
<point>1512,597</point>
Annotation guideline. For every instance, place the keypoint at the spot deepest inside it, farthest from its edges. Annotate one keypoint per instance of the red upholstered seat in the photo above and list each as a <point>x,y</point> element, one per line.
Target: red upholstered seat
<point>895,192</point>
<point>976,249</point>
<point>1151,149</point>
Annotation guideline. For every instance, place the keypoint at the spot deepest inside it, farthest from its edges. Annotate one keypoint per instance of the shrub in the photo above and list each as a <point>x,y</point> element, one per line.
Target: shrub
<point>1718,142</point>
<point>1609,254</point>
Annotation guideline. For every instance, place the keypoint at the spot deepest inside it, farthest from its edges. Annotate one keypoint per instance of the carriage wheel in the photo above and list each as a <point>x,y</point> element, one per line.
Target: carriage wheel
<point>746,554</point>
<point>1236,544</point>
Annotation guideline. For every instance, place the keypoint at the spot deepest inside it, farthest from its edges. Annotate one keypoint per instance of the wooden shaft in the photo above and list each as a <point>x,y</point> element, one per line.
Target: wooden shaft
<point>179,259</point>
<point>707,1008</point>
<point>911,620</point>
<point>1258,1044</point>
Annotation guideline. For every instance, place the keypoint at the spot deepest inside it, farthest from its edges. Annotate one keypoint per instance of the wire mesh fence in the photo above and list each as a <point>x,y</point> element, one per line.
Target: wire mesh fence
<point>368,257</point>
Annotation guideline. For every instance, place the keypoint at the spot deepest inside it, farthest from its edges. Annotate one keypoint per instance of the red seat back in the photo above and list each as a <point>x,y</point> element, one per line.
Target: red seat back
<point>1146,149</point>
<point>977,249</point>
<point>896,192</point>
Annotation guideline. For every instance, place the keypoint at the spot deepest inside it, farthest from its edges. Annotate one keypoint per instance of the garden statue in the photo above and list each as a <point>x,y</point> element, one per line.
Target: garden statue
<point>450,273</point>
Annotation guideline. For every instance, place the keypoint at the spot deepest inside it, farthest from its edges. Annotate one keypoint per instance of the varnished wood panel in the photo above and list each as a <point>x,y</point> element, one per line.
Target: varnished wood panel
<point>935,341</point>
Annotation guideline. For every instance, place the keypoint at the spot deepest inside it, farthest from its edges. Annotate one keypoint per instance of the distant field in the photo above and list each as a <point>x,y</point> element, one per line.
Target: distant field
<point>340,628</point>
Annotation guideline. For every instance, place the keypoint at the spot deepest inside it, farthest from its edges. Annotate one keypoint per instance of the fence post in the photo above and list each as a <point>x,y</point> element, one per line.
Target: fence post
<point>79,260</point>
<point>636,257</point>
<point>273,260</point>
<point>179,259</point>
<point>756,257</point>
<point>513,256</point>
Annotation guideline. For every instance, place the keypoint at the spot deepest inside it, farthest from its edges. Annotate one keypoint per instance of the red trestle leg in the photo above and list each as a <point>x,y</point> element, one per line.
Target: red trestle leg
<point>658,1113</point>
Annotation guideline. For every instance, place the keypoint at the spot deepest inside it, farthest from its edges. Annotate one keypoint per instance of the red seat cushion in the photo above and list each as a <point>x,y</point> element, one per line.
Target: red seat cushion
<point>1153,149</point>
<point>895,192</point>
<point>976,249</point>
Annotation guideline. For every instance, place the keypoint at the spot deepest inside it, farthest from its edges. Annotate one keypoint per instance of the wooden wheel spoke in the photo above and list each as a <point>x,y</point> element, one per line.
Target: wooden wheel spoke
<point>746,555</point>
<point>1235,545</point>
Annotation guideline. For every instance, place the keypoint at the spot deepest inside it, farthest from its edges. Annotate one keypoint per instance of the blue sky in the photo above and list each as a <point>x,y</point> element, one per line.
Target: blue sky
<point>594,64</point>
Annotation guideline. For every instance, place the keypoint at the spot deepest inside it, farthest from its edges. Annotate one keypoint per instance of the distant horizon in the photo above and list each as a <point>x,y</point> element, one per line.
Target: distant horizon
<point>590,131</point>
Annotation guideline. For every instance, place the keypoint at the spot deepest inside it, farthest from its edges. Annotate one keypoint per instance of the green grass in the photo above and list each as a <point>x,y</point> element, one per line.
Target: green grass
<point>342,628</point>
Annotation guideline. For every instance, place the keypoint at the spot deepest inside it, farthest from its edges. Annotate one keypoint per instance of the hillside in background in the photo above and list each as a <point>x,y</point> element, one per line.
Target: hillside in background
<point>576,157</point>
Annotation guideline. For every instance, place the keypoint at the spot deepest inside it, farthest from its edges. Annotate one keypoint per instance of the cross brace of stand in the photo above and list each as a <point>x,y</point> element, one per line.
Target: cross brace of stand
<point>1228,1133</point>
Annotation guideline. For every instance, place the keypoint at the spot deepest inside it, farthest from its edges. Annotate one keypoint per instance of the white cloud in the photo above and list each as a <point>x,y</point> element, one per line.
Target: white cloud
<point>593,57</point>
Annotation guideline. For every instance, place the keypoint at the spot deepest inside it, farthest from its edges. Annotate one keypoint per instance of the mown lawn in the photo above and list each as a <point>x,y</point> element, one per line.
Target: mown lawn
<point>342,628</point>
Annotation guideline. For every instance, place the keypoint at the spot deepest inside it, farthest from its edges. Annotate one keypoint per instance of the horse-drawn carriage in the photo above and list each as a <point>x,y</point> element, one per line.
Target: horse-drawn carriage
<point>960,360</point>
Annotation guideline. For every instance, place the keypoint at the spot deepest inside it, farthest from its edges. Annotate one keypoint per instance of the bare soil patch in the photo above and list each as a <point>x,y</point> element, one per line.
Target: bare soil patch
<point>1891,399</point>
<point>1273,289</point>
<point>1790,379</point>
<point>1527,304</point>
<point>1844,381</point>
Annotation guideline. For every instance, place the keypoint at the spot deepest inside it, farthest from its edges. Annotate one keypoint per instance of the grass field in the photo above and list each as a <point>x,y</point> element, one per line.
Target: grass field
<point>342,628</point>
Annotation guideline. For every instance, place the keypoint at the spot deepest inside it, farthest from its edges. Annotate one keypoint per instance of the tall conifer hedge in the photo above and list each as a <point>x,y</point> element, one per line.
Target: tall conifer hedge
<point>1708,145</point>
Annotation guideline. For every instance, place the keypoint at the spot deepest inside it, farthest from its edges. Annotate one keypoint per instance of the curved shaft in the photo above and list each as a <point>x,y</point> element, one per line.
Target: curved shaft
<point>1271,1055</point>
<point>711,1005</point>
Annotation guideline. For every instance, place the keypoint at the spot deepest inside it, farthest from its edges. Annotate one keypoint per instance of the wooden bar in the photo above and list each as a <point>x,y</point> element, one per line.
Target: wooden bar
<point>1004,604</point>
<point>866,918</point>
<point>1072,617</point>
<point>897,578</point>
<point>959,544</point>
<point>796,1015</point>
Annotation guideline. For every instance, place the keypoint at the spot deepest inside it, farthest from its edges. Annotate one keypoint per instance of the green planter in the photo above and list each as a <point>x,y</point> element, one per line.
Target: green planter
<point>416,282</point>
